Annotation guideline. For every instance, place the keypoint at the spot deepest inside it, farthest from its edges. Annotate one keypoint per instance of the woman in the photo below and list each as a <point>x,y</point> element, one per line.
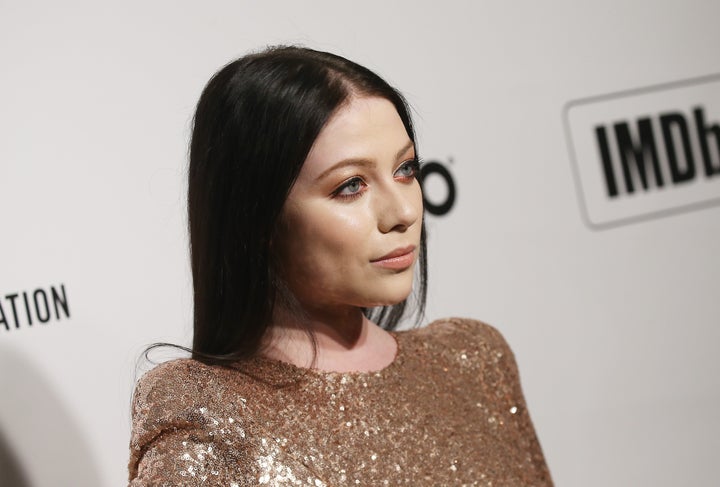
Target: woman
<point>306,225</point>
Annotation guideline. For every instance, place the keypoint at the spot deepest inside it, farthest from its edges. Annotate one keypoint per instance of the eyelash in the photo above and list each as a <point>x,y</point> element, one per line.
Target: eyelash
<point>412,163</point>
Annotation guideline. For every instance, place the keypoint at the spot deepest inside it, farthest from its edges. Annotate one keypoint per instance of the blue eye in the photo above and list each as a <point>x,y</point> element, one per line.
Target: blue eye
<point>350,189</point>
<point>409,169</point>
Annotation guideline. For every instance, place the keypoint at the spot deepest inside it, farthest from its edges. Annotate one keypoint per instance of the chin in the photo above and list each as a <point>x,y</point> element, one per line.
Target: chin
<point>392,295</point>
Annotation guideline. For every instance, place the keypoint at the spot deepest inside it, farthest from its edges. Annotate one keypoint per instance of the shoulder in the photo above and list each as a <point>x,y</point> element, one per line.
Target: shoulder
<point>478,345</point>
<point>174,371</point>
<point>190,419</point>
<point>464,332</point>
<point>181,396</point>
<point>175,384</point>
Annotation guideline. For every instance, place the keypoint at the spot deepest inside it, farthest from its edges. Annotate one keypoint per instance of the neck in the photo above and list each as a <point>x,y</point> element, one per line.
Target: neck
<point>346,340</point>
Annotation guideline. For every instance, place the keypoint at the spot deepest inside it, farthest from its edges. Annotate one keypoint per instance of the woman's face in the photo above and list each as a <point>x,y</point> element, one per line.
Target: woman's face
<point>350,229</point>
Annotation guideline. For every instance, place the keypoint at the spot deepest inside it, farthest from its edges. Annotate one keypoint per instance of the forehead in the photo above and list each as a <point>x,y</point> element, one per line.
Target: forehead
<point>365,127</point>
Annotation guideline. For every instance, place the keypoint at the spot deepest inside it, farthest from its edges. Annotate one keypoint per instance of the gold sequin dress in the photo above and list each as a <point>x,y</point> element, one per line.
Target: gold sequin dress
<point>447,411</point>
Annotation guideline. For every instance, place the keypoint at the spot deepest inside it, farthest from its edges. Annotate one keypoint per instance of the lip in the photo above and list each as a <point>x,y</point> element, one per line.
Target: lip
<point>398,259</point>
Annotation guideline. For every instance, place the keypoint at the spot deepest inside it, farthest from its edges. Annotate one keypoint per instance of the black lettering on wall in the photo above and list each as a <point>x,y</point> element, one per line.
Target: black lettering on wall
<point>40,317</point>
<point>675,123</point>
<point>12,298</point>
<point>37,307</point>
<point>435,208</point>
<point>634,157</point>
<point>704,133</point>
<point>2,318</point>
<point>639,157</point>
<point>61,301</point>
<point>27,308</point>
<point>604,148</point>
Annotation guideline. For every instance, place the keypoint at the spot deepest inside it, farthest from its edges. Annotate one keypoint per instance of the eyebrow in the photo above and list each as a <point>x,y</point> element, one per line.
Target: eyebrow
<point>361,161</point>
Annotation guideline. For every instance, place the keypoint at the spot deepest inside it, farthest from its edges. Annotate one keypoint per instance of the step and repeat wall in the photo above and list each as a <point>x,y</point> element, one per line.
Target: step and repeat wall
<point>572,185</point>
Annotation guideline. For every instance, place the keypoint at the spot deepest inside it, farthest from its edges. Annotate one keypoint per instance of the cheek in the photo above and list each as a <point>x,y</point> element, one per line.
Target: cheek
<point>333,231</point>
<point>319,243</point>
<point>419,203</point>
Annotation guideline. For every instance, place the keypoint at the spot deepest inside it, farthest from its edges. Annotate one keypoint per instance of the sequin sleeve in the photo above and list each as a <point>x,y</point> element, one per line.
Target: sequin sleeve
<point>184,434</point>
<point>503,377</point>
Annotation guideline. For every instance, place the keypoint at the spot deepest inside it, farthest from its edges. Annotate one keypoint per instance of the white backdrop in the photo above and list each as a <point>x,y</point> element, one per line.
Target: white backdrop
<point>615,330</point>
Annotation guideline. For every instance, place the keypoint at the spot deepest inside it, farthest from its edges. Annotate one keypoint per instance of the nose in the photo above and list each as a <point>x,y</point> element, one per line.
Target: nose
<point>399,207</point>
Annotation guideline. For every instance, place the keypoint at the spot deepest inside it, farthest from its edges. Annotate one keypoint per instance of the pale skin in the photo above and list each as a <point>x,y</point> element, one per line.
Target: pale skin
<point>355,201</point>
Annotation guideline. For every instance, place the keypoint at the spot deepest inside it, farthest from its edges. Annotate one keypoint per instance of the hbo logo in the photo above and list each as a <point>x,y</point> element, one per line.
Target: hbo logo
<point>438,188</point>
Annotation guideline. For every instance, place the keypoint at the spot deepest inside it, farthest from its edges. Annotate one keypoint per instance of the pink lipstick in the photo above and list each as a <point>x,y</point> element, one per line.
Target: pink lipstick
<point>399,259</point>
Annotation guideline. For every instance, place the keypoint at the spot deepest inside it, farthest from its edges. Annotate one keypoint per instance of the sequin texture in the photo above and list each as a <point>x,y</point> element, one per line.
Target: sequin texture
<point>448,410</point>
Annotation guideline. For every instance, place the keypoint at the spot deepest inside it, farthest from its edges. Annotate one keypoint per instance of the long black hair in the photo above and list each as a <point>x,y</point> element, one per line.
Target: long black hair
<point>255,123</point>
